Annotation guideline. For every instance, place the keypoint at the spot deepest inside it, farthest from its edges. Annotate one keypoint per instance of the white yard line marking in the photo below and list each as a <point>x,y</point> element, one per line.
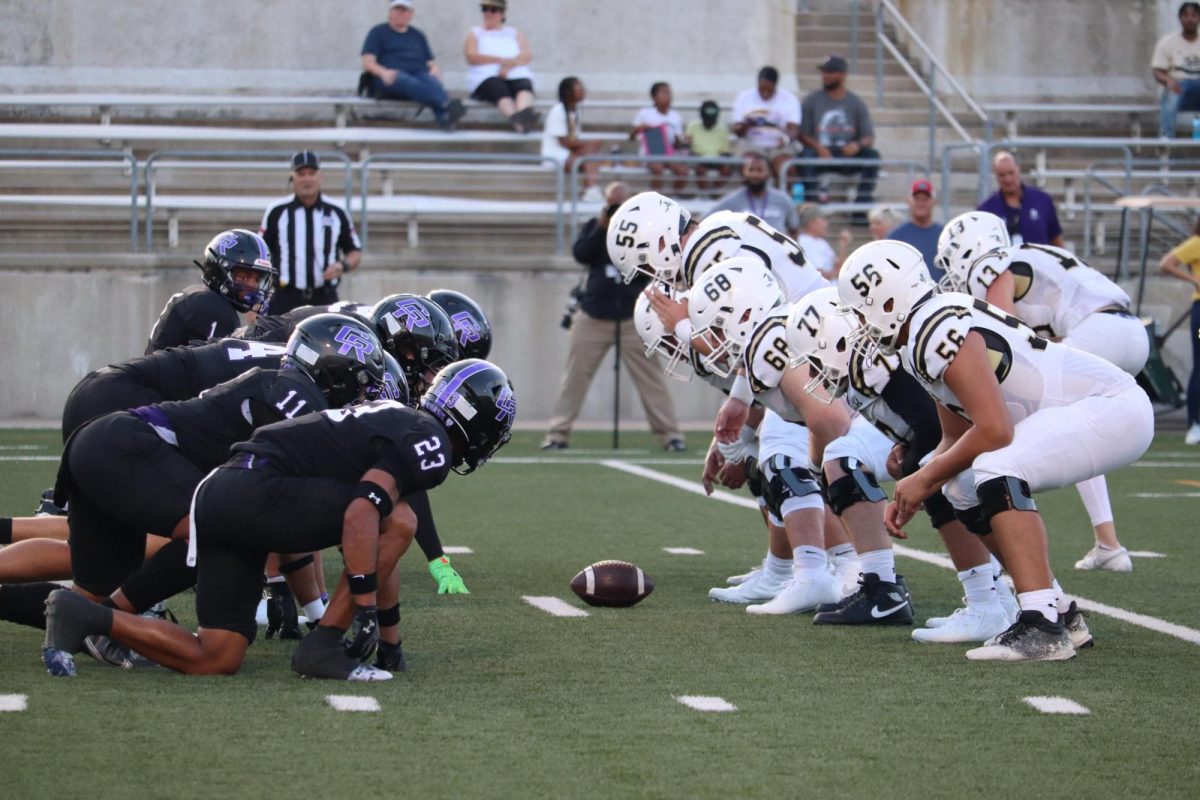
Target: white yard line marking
<point>29,458</point>
<point>683,551</point>
<point>1167,464</point>
<point>702,703</point>
<point>1160,495</point>
<point>1178,454</point>
<point>589,461</point>
<point>457,551</point>
<point>1056,705</point>
<point>1190,635</point>
<point>22,447</point>
<point>12,702</point>
<point>350,702</point>
<point>555,606</point>
<point>1146,554</point>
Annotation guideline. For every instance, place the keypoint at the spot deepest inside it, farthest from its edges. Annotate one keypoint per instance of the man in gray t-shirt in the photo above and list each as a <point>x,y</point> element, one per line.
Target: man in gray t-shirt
<point>759,198</point>
<point>835,123</point>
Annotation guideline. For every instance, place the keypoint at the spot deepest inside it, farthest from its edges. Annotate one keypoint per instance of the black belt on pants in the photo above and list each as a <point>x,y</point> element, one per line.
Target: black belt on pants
<point>323,293</point>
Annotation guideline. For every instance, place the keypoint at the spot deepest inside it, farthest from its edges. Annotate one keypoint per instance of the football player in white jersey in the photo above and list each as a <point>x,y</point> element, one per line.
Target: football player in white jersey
<point>1019,415</point>
<point>1064,299</point>
<point>874,385</point>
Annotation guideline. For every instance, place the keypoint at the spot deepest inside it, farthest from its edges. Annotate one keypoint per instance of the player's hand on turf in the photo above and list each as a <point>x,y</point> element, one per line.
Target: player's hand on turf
<point>730,419</point>
<point>448,580</point>
<point>894,521</point>
<point>364,633</point>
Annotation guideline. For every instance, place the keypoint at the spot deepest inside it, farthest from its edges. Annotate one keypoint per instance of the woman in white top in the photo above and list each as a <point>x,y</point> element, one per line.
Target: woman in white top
<point>499,73</point>
<point>561,135</point>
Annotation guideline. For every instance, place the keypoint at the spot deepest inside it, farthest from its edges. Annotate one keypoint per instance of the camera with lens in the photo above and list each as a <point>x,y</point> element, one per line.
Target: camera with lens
<point>572,306</point>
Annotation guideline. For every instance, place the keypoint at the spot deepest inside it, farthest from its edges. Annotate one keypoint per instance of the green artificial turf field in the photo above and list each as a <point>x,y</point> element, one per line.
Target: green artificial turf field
<point>505,700</point>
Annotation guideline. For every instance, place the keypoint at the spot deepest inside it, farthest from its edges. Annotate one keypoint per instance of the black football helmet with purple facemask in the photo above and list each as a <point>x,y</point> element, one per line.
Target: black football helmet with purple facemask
<point>476,403</point>
<point>471,327</point>
<point>341,354</point>
<point>239,250</point>
<point>418,334</point>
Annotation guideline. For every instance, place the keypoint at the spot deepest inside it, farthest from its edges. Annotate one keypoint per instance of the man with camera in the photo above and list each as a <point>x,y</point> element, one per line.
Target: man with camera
<point>598,317</point>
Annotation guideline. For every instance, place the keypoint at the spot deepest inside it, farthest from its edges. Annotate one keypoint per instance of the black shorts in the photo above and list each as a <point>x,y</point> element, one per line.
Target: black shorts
<point>103,392</point>
<point>123,482</point>
<point>241,516</point>
<point>495,89</point>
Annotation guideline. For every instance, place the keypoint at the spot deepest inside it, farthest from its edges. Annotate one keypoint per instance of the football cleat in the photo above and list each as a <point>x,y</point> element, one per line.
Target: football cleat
<point>363,673</point>
<point>1031,638</point>
<point>804,592</point>
<point>878,603</point>
<point>106,651</point>
<point>738,580</point>
<point>46,506</point>
<point>758,589</point>
<point>1077,627</point>
<point>1104,559</point>
<point>59,663</point>
<point>390,657</point>
<point>970,624</point>
<point>937,622</point>
<point>70,617</point>
<point>321,654</point>
<point>448,580</point>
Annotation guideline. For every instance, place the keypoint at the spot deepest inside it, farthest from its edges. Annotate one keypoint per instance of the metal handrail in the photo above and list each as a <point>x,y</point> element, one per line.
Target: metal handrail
<point>985,158</point>
<point>946,159</point>
<point>282,155</point>
<point>498,158</point>
<point>1092,174</point>
<point>97,154</point>
<point>927,90</point>
<point>913,167</point>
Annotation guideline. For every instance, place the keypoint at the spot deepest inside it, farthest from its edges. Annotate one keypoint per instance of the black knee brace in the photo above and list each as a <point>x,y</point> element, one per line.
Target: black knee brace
<point>856,486</point>
<point>754,478</point>
<point>939,509</point>
<point>788,481</point>
<point>294,566</point>
<point>997,495</point>
<point>972,518</point>
<point>389,616</point>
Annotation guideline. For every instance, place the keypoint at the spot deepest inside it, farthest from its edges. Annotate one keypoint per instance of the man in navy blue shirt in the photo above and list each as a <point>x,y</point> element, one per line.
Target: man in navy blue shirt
<point>1028,211</point>
<point>921,231</point>
<point>398,57</point>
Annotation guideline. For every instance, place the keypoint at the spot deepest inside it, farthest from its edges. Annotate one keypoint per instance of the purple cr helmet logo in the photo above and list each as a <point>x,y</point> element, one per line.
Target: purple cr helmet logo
<point>466,328</point>
<point>411,314</point>
<point>506,404</point>
<point>353,339</point>
<point>225,242</point>
<point>391,387</point>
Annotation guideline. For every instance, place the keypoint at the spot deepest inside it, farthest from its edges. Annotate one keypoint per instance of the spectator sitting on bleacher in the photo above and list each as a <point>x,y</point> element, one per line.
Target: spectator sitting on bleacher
<point>837,124</point>
<point>1027,211</point>
<point>499,70</point>
<point>658,130</point>
<point>708,138</point>
<point>398,57</point>
<point>817,250</point>
<point>760,198</point>
<point>880,221</point>
<point>1176,66</point>
<point>560,136</point>
<point>921,231</point>
<point>766,119</point>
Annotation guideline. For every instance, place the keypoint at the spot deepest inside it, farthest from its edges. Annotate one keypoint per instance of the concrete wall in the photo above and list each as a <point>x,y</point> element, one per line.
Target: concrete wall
<point>58,324</point>
<point>621,46</point>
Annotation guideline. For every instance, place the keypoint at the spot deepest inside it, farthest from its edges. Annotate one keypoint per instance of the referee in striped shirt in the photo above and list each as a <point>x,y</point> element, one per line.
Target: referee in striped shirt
<point>312,240</point>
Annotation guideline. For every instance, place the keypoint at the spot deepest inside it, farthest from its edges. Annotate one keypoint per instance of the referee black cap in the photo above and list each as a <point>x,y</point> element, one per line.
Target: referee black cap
<point>305,158</point>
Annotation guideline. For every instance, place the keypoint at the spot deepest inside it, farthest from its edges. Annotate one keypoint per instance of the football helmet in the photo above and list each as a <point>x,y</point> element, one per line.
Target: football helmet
<point>471,327</point>
<point>341,354</point>
<point>474,399</point>
<point>817,334</point>
<point>725,307</point>
<point>659,340</point>
<point>644,237</point>
<point>394,385</point>
<point>239,250</point>
<point>884,282</point>
<point>964,239</point>
<point>417,332</point>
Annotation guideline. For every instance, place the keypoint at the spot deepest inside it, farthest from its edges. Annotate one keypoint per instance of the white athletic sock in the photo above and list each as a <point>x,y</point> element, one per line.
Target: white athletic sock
<point>841,550</point>
<point>809,559</point>
<point>979,585</point>
<point>1061,601</point>
<point>314,610</point>
<point>1041,601</point>
<point>778,567</point>
<point>881,562</point>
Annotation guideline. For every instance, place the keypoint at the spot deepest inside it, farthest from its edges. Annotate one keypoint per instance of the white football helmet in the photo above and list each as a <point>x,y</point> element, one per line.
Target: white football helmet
<point>643,237</point>
<point>818,335</point>
<point>725,307</point>
<point>964,239</point>
<point>883,282</point>
<point>659,340</point>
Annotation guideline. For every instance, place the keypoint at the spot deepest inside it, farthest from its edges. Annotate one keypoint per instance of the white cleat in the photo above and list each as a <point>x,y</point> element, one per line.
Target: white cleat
<point>364,672</point>
<point>970,624</point>
<point>1193,434</point>
<point>738,580</point>
<point>803,593</point>
<point>1030,638</point>
<point>757,589</point>
<point>937,622</point>
<point>1099,558</point>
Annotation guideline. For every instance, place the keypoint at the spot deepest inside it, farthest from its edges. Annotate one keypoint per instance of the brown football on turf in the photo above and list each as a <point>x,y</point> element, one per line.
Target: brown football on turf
<point>613,584</point>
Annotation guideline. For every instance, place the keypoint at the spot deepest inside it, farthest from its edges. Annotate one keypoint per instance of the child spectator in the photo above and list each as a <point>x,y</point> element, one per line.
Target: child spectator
<point>658,130</point>
<point>708,138</point>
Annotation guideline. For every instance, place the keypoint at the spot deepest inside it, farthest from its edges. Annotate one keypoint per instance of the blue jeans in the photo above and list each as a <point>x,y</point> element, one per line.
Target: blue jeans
<point>1193,387</point>
<point>1169,107</point>
<point>421,87</point>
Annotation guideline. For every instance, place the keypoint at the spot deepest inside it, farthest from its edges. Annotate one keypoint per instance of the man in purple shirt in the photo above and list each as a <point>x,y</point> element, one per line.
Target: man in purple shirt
<point>1028,211</point>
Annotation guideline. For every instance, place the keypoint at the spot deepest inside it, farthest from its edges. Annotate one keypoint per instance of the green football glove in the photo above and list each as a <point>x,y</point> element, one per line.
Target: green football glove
<point>448,581</point>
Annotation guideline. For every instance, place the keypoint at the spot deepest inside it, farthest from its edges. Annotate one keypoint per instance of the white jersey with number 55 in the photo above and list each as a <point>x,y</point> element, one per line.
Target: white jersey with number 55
<point>726,234</point>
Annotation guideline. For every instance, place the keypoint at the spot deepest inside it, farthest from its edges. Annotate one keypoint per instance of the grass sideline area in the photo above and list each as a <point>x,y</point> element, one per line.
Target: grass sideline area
<point>505,700</point>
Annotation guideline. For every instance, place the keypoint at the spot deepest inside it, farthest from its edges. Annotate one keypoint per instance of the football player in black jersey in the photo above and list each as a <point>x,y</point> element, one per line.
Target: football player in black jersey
<point>299,486</point>
<point>238,276</point>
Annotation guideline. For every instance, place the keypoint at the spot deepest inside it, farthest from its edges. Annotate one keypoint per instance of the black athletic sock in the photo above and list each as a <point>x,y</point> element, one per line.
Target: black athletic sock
<point>25,603</point>
<point>5,530</point>
<point>165,575</point>
<point>427,535</point>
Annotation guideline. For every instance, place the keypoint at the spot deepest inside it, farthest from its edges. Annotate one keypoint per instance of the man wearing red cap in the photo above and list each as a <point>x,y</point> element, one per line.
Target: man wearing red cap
<point>921,231</point>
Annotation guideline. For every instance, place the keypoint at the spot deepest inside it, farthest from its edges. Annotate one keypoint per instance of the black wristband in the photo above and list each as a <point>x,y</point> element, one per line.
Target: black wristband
<point>389,616</point>
<point>6,530</point>
<point>362,584</point>
<point>374,494</point>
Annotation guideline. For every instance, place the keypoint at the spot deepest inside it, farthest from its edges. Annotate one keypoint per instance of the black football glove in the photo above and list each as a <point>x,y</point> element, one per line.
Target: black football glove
<point>364,633</point>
